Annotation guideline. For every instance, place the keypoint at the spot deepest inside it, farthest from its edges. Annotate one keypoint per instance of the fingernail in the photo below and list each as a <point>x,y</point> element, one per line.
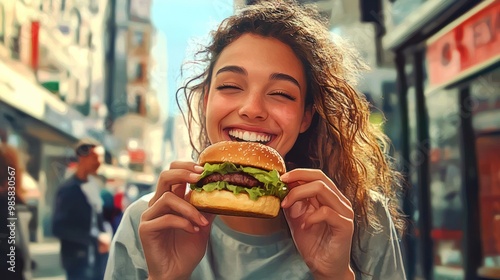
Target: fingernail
<point>303,226</point>
<point>198,168</point>
<point>283,203</point>
<point>194,176</point>
<point>204,221</point>
<point>196,229</point>
<point>284,177</point>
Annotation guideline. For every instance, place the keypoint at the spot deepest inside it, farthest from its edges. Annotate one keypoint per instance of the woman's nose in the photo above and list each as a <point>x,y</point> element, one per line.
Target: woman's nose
<point>253,107</point>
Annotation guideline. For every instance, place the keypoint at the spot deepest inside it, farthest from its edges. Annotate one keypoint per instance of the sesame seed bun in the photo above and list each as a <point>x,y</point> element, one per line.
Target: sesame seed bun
<point>244,153</point>
<point>224,202</point>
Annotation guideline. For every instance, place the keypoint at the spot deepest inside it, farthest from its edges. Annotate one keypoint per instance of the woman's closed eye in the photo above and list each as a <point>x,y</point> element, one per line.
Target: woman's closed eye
<point>227,86</point>
<point>284,94</point>
<point>232,87</point>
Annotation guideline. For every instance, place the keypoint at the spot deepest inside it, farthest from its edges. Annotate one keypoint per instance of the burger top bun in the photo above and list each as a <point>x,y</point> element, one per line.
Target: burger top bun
<point>244,153</point>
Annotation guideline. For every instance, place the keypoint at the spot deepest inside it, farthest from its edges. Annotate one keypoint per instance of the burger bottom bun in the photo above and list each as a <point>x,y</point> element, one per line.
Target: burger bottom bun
<point>227,203</point>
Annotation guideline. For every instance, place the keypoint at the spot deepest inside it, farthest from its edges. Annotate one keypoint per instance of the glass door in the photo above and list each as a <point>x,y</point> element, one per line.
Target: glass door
<point>485,102</point>
<point>446,183</point>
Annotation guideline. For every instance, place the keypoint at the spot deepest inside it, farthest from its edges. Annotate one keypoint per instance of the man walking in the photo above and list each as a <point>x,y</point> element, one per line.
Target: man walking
<point>77,219</point>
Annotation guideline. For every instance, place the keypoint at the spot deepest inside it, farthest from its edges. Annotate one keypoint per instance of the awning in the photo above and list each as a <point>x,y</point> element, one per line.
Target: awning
<point>21,93</point>
<point>416,21</point>
<point>37,102</point>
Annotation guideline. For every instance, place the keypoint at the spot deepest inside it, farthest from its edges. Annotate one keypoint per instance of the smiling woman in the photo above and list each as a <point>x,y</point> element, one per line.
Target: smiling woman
<point>272,75</point>
<point>258,93</point>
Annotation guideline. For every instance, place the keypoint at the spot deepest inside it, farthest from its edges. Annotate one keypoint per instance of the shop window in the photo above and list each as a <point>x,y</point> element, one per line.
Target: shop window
<point>139,72</point>
<point>485,103</point>
<point>135,71</point>
<point>63,5</point>
<point>137,39</point>
<point>445,164</point>
<point>485,107</point>
<point>139,101</point>
<point>15,42</point>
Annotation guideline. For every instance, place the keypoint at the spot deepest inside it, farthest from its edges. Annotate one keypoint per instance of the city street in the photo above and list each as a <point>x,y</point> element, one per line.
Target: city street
<point>46,257</point>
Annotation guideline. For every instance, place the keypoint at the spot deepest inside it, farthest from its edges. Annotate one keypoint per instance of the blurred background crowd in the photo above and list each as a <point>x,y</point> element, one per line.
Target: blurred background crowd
<point>109,69</point>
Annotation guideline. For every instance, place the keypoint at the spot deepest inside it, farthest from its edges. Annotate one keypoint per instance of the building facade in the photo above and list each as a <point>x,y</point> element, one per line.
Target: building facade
<point>447,58</point>
<point>51,91</point>
<point>133,107</point>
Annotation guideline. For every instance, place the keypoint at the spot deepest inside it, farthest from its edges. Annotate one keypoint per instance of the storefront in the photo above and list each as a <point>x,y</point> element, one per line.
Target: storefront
<point>449,100</point>
<point>43,129</point>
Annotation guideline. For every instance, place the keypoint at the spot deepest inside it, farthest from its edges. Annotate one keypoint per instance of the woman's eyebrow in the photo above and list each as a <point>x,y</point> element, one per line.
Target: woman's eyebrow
<point>273,76</point>
<point>232,68</point>
<point>284,77</point>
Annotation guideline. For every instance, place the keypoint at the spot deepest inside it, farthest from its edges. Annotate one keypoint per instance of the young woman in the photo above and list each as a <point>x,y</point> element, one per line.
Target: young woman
<point>274,71</point>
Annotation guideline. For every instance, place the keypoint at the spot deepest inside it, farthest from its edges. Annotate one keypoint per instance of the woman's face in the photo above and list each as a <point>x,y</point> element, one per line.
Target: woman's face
<point>257,93</point>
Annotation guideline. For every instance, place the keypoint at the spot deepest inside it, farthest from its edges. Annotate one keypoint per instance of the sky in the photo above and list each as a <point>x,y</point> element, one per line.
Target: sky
<point>181,23</point>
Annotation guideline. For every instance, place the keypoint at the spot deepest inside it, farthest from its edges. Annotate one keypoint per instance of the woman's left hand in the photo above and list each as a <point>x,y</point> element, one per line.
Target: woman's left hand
<point>321,219</point>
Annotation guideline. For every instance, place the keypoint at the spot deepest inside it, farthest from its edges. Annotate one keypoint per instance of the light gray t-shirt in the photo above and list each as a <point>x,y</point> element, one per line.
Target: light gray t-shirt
<point>234,255</point>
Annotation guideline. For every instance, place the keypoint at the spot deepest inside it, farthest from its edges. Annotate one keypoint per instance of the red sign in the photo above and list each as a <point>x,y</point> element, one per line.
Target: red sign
<point>35,29</point>
<point>472,42</point>
<point>137,156</point>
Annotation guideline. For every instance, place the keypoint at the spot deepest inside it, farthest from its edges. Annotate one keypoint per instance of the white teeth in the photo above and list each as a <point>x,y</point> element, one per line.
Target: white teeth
<point>249,136</point>
<point>253,137</point>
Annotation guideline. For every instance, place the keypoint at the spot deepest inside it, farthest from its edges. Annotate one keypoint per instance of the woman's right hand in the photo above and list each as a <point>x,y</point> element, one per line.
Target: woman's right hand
<point>174,234</point>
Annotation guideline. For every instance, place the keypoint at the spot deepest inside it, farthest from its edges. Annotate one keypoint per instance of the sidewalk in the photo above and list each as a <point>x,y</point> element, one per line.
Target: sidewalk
<point>48,264</point>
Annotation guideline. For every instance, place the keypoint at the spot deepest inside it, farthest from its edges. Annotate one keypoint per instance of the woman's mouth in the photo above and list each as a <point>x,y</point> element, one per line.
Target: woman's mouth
<point>249,136</point>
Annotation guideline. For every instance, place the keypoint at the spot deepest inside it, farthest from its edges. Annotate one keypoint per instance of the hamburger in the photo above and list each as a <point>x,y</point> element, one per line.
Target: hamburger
<point>240,179</point>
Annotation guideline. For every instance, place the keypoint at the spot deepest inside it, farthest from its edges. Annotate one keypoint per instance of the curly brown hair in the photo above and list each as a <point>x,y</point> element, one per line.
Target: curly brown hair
<point>340,141</point>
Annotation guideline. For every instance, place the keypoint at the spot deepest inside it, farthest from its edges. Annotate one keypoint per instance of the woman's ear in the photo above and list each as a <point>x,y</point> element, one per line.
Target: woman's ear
<point>307,118</point>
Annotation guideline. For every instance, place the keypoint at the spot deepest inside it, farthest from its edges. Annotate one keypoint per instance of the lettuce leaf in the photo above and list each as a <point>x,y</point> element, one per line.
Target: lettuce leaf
<point>270,179</point>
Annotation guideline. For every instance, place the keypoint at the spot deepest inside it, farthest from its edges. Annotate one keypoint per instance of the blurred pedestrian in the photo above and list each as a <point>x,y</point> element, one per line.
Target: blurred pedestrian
<point>15,258</point>
<point>78,221</point>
